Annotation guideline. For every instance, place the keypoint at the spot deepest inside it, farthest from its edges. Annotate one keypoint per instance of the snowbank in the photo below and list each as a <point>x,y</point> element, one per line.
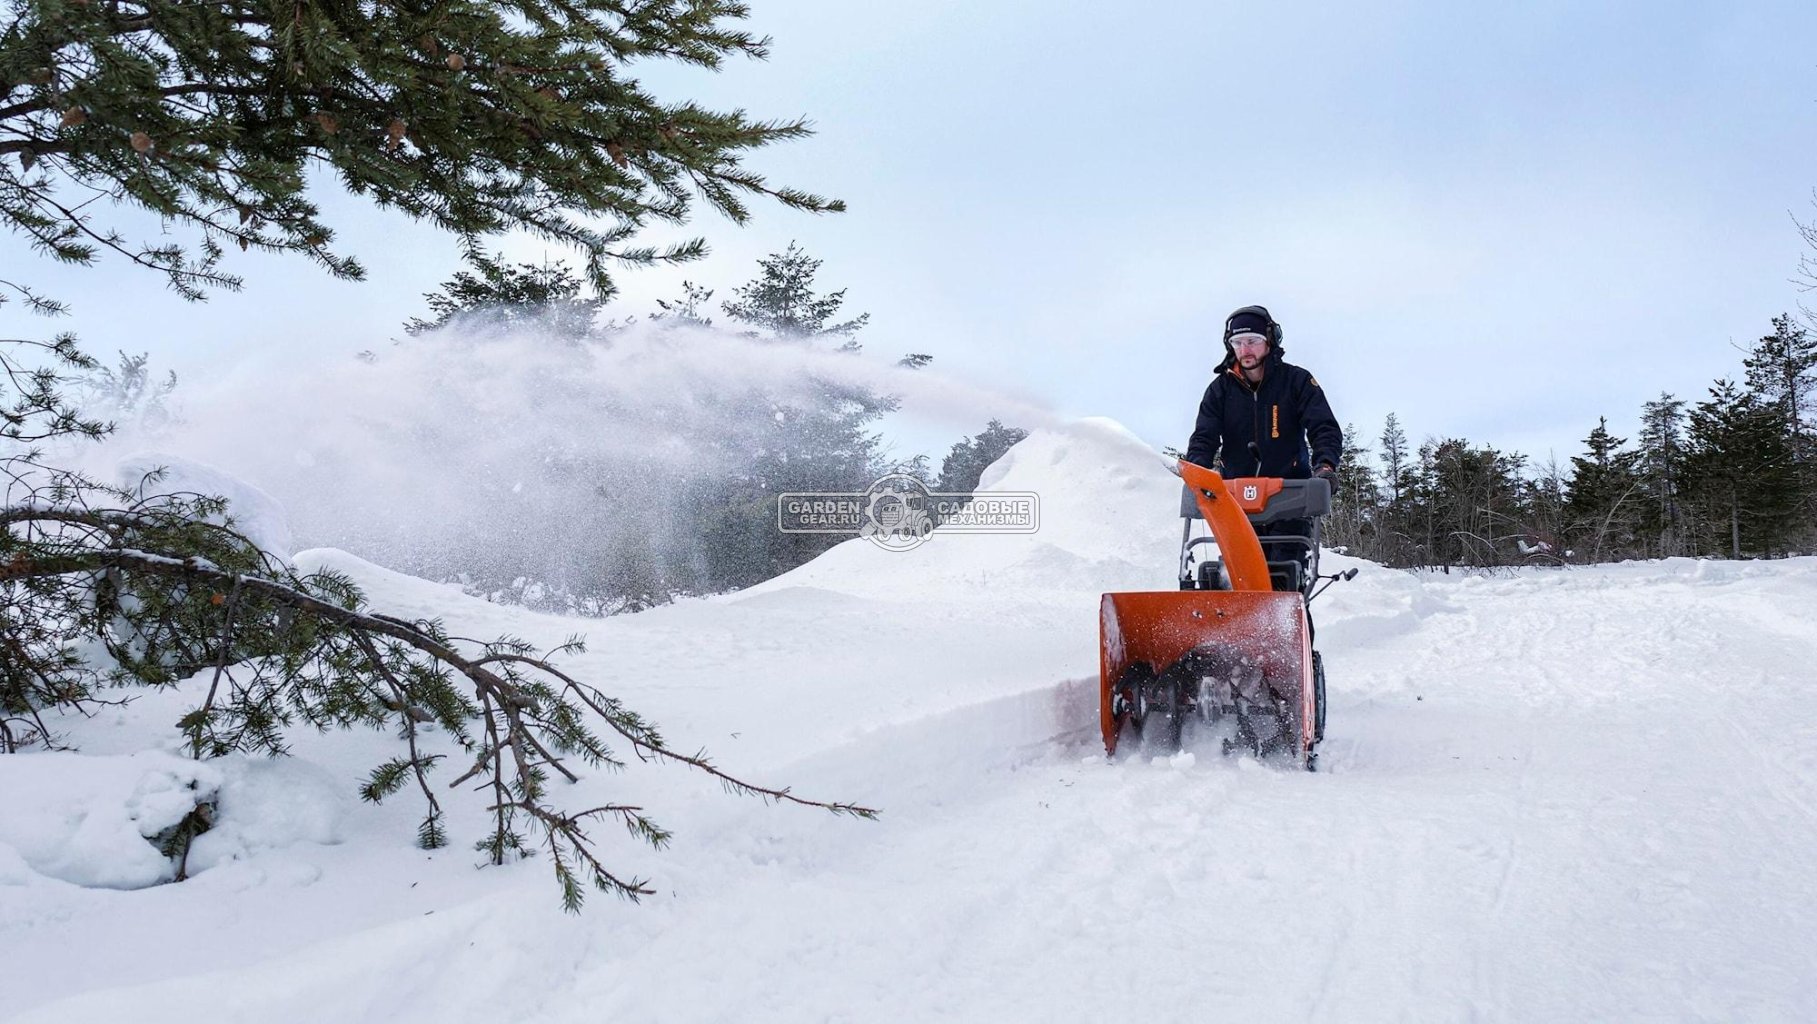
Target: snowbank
<point>257,515</point>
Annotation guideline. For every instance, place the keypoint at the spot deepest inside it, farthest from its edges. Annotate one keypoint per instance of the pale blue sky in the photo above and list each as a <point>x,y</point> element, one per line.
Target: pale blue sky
<point>1498,221</point>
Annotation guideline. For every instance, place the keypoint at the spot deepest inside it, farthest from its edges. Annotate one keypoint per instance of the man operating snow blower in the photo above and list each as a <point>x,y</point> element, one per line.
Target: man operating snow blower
<point>1265,417</point>
<point>1231,648</point>
<point>1261,415</point>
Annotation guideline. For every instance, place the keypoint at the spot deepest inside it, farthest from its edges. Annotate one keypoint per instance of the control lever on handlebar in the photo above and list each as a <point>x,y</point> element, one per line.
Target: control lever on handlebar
<point>1347,574</point>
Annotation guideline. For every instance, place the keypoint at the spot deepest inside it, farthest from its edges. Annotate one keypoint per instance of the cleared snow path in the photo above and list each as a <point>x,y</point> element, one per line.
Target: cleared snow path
<point>1561,795</point>
<point>1570,796</point>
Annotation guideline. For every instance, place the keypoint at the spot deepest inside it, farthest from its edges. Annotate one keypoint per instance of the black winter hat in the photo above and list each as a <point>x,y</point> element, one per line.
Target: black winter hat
<point>1252,320</point>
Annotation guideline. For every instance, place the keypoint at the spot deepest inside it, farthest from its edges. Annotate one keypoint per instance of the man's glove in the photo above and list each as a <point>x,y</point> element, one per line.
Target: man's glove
<point>1328,474</point>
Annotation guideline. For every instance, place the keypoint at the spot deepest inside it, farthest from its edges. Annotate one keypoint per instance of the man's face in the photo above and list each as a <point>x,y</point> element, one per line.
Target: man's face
<point>1250,349</point>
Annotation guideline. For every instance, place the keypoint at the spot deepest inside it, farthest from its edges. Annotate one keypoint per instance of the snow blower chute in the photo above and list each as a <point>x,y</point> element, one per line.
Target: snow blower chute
<point>1232,647</point>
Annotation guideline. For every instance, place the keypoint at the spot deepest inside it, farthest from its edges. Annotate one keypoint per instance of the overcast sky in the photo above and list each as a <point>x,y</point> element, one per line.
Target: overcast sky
<point>1499,221</point>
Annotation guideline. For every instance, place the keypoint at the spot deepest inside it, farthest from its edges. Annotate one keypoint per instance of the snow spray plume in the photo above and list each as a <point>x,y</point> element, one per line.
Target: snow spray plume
<point>511,456</point>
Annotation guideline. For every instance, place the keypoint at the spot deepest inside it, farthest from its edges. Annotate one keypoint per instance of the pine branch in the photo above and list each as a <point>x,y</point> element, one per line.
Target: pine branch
<point>290,630</point>
<point>497,118</point>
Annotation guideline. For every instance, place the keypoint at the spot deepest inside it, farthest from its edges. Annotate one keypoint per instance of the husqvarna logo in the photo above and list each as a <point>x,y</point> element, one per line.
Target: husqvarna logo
<point>1250,492</point>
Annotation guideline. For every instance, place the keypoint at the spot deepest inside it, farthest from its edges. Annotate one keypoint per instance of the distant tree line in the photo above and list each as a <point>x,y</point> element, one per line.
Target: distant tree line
<point>1733,475</point>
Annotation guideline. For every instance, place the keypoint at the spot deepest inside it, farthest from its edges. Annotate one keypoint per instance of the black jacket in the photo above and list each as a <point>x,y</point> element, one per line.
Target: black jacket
<point>1279,416</point>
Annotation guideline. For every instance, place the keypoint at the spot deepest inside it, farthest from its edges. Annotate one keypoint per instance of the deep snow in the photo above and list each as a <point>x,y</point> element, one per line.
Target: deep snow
<point>1562,794</point>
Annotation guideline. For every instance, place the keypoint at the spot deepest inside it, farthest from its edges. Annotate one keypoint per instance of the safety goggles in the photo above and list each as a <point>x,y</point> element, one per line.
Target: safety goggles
<point>1243,341</point>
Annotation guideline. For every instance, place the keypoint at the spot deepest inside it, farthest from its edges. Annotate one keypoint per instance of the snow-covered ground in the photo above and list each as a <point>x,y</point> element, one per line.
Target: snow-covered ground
<point>1587,794</point>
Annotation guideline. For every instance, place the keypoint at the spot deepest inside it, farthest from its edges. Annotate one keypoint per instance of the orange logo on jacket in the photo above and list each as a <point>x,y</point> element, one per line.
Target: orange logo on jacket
<point>1275,431</point>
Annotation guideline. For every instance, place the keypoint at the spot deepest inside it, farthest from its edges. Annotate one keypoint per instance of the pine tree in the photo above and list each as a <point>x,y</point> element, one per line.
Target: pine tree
<point>545,296</point>
<point>687,311</point>
<point>1782,373</point>
<point>1394,457</point>
<point>1738,473</point>
<point>128,395</point>
<point>1395,523</point>
<point>814,435</point>
<point>1661,466</point>
<point>1602,498</point>
<point>1358,499</point>
<point>1543,515</point>
<point>918,466</point>
<point>819,438</point>
<point>966,462</point>
<point>782,301</point>
<point>1468,499</point>
<point>1358,487</point>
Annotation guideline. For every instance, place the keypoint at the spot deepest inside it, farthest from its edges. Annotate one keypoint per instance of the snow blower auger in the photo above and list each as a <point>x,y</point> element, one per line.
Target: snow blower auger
<point>1232,647</point>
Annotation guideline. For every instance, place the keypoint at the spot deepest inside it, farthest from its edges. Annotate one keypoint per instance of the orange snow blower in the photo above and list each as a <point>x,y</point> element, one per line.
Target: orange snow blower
<point>1231,649</point>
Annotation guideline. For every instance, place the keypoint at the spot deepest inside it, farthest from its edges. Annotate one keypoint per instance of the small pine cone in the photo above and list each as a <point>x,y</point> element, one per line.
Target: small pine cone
<point>328,122</point>
<point>617,153</point>
<point>74,116</point>
<point>456,62</point>
<point>141,142</point>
